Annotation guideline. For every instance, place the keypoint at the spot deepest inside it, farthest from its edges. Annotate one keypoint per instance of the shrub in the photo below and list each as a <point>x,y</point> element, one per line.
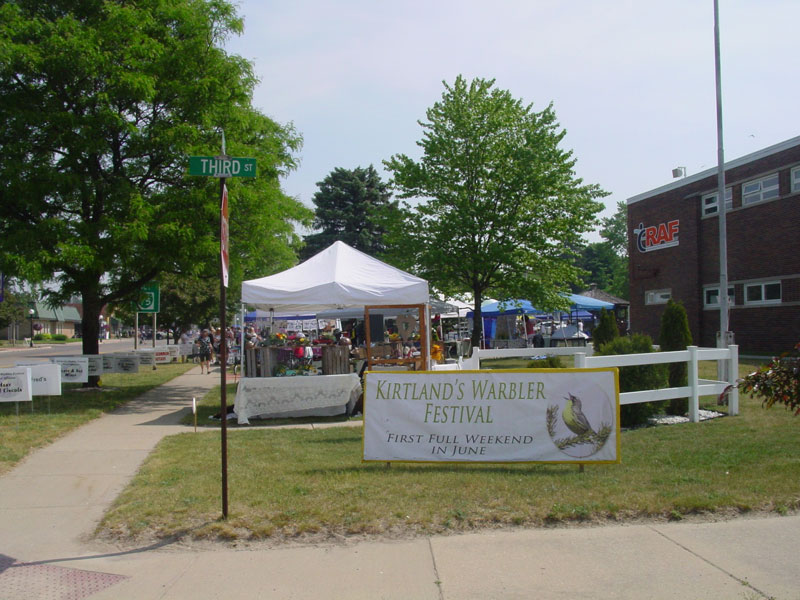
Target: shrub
<point>41,336</point>
<point>632,379</point>
<point>675,335</point>
<point>777,382</point>
<point>606,329</point>
<point>60,337</point>
<point>551,362</point>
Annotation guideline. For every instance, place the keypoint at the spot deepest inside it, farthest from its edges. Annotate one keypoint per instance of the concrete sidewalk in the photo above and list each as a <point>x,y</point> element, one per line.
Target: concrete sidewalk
<point>51,503</point>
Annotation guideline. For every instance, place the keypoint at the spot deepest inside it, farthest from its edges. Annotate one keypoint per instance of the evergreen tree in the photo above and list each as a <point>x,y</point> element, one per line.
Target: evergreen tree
<point>675,335</point>
<point>352,206</point>
<point>606,329</point>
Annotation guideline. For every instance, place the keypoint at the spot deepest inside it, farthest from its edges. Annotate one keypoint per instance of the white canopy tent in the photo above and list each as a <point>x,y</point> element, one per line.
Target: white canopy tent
<point>338,277</point>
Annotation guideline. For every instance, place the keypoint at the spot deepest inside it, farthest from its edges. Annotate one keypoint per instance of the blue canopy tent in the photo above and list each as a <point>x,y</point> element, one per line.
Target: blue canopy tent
<point>579,310</point>
<point>510,307</point>
<point>588,303</point>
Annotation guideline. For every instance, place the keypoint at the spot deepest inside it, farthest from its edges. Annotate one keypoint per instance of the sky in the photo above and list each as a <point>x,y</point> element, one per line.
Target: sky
<point>632,82</point>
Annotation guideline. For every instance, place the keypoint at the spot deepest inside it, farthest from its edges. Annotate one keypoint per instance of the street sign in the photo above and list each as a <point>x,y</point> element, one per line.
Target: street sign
<point>222,166</point>
<point>149,298</point>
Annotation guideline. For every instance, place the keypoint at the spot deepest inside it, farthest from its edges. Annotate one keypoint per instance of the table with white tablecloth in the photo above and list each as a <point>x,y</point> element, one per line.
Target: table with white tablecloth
<point>299,396</point>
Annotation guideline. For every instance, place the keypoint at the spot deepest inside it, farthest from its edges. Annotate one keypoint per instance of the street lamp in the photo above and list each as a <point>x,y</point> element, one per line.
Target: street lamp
<point>31,312</point>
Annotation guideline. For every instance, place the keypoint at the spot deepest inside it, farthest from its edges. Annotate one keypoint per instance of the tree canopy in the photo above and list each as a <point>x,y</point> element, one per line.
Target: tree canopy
<point>352,206</point>
<point>500,205</point>
<point>102,104</point>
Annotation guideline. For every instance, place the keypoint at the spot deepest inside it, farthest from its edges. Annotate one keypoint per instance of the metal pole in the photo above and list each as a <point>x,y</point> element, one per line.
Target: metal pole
<point>223,360</point>
<point>136,333</point>
<point>723,242</point>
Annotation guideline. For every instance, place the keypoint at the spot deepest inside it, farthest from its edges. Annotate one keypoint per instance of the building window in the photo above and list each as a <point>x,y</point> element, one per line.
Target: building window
<point>796,179</point>
<point>762,293</point>
<point>709,202</point>
<point>760,190</point>
<point>657,296</point>
<point>711,296</point>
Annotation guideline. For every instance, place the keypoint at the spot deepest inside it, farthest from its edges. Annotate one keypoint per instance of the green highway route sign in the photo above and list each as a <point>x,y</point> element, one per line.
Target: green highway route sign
<point>222,166</point>
<point>149,298</point>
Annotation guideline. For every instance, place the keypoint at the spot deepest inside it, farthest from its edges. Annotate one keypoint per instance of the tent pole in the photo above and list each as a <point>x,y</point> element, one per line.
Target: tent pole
<point>241,344</point>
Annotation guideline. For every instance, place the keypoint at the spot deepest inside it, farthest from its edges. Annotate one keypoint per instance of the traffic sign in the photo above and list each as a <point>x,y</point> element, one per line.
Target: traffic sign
<point>222,166</point>
<point>149,298</point>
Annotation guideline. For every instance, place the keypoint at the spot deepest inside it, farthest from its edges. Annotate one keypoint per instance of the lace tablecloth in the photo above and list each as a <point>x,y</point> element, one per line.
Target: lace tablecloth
<point>313,395</point>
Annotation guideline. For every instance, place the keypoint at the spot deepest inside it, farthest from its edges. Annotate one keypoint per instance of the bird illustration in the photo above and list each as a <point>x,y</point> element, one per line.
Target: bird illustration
<point>574,418</point>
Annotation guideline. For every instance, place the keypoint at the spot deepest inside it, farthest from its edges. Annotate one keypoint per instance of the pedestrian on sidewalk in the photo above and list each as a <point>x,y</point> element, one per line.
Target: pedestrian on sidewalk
<point>203,351</point>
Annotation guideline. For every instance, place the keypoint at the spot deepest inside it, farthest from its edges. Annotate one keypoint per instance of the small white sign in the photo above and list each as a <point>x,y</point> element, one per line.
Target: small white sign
<point>45,379</point>
<point>128,363</point>
<point>110,363</point>
<point>186,349</point>
<point>96,367</point>
<point>146,356</point>
<point>74,369</point>
<point>15,384</point>
<point>162,356</point>
<point>174,351</point>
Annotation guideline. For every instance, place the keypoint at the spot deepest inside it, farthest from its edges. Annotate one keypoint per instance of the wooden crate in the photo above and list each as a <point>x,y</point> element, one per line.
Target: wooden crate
<point>335,360</point>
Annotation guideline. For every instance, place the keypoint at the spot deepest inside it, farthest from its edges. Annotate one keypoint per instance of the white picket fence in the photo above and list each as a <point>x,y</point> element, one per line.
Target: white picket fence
<point>584,358</point>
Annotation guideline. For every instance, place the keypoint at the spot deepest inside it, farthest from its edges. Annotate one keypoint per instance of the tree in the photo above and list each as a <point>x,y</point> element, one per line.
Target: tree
<point>606,329</point>
<point>14,305</point>
<point>500,204</point>
<point>676,335</point>
<point>102,103</point>
<point>600,262</point>
<point>615,230</point>
<point>353,207</point>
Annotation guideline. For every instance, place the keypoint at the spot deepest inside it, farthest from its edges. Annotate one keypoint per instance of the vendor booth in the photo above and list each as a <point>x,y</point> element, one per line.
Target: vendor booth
<point>503,319</point>
<point>339,277</point>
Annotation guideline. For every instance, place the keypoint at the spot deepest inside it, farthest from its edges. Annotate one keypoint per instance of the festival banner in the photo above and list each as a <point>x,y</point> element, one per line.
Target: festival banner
<point>530,415</point>
<point>15,384</point>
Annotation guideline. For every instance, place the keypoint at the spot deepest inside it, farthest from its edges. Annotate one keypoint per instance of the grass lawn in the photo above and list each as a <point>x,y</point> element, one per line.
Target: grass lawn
<point>294,483</point>
<point>45,419</point>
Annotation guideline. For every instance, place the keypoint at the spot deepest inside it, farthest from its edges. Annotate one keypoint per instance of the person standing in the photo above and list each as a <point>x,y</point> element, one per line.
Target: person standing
<point>204,345</point>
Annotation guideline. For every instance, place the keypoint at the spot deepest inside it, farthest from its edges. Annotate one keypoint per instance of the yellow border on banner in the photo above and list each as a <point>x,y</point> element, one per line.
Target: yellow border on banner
<point>614,370</point>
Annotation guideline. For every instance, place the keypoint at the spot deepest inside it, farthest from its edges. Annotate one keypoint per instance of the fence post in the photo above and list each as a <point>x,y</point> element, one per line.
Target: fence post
<point>694,400</point>
<point>580,360</point>
<point>733,375</point>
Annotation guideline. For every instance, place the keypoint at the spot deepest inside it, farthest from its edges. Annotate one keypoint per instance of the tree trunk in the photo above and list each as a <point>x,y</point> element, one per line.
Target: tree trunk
<point>90,326</point>
<point>477,322</point>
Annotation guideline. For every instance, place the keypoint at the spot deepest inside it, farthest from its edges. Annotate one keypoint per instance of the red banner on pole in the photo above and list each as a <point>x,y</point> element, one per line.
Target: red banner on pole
<point>223,235</point>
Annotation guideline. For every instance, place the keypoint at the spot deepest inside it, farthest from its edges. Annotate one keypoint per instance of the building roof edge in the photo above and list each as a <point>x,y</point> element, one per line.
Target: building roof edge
<point>757,155</point>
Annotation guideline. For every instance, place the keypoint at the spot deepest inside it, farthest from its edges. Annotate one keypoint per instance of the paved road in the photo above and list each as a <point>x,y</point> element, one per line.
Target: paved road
<point>8,356</point>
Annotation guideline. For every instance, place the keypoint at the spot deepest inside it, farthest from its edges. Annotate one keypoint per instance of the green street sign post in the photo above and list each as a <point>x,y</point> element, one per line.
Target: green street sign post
<point>149,298</point>
<point>222,166</point>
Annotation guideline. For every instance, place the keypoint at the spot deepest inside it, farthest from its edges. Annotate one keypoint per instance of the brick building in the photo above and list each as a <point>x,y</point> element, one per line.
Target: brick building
<point>673,245</point>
